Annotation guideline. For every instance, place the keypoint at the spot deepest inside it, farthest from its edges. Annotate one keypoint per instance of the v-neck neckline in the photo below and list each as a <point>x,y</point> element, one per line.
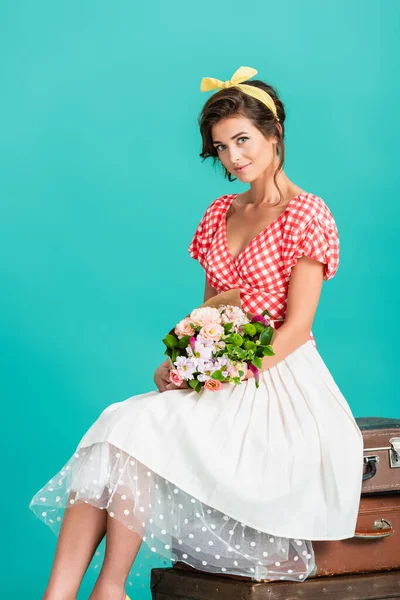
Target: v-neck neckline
<point>289,204</point>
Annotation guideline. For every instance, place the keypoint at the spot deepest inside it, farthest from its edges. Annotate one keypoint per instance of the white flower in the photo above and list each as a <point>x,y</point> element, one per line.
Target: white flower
<point>235,315</point>
<point>219,345</point>
<point>206,368</point>
<point>205,365</point>
<point>203,377</point>
<point>185,367</point>
<point>200,350</point>
<point>209,343</point>
<point>206,314</point>
<point>223,363</point>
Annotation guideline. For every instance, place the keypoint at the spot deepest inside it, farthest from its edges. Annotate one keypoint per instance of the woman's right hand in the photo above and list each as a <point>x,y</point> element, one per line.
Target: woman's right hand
<point>161,375</point>
<point>162,380</point>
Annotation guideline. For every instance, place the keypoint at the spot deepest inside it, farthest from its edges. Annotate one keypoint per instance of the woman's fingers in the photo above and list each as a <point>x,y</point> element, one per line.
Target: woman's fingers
<point>172,386</point>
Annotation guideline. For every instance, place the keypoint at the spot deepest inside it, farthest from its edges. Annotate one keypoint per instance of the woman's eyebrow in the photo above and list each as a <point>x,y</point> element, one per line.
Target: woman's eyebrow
<point>233,137</point>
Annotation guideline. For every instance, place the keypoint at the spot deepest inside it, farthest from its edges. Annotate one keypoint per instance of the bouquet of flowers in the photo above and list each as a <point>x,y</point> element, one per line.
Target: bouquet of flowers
<point>218,343</point>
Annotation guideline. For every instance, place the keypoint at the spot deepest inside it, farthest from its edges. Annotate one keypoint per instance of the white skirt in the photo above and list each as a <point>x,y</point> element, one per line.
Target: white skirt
<point>238,481</point>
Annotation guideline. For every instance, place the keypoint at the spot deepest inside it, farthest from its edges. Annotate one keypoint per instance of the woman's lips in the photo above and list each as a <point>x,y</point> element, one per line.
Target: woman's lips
<point>240,169</point>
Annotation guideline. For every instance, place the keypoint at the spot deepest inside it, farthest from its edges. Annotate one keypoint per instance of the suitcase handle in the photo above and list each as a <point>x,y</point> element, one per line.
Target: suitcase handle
<point>377,532</point>
<point>370,461</point>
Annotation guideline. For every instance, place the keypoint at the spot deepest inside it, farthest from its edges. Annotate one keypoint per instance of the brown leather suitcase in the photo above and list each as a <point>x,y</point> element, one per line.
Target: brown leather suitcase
<point>182,584</point>
<point>375,546</point>
<point>376,543</point>
<point>381,454</point>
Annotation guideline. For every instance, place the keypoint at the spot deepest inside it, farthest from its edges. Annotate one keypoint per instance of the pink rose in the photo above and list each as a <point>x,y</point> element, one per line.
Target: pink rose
<point>175,377</point>
<point>212,385</point>
<point>212,331</point>
<point>184,328</point>
<point>206,314</point>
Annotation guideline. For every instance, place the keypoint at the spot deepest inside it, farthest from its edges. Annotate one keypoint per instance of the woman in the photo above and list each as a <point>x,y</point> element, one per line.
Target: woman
<point>241,480</point>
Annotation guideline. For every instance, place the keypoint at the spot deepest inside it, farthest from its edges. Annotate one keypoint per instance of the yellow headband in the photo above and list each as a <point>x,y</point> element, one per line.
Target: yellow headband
<point>242,74</point>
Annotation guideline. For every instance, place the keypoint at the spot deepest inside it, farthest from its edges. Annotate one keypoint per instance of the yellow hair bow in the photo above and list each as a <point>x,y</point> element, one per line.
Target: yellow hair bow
<point>242,74</point>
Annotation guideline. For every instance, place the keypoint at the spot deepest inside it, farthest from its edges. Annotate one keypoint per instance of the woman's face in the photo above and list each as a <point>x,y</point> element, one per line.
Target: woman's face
<point>239,143</point>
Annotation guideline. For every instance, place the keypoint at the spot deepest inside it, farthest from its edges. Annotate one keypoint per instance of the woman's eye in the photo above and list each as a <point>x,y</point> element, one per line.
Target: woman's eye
<point>219,145</point>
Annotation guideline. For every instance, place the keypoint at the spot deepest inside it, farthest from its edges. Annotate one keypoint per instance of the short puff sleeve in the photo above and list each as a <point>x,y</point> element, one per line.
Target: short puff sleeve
<point>206,229</point>
<point>316,237</point>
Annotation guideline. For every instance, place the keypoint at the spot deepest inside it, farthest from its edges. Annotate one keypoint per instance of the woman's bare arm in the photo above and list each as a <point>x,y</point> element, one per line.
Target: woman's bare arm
<point>305,287</point>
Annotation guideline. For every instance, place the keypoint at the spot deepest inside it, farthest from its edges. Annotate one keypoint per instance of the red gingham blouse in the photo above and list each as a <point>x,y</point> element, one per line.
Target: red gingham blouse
<point>262,269</point>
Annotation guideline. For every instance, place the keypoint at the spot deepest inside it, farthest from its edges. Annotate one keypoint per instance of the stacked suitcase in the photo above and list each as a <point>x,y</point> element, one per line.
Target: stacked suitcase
<point>376,544</point>
<point>365,566</point>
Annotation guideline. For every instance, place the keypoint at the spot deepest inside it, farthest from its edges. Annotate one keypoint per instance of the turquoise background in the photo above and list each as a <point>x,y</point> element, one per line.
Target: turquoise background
<point>102,188</point>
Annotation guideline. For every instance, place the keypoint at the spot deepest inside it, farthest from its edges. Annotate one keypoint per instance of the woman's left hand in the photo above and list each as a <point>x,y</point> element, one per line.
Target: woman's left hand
<point>172,386</point>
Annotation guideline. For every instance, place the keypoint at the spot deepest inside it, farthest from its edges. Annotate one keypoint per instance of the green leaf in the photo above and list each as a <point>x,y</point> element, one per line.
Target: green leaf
<point>241,373</point>
<point>265,312</point>
<point>228,327</point>
<point>174,355</point>
<point>171,341</point>
<point>218,375</point>
<point>268,351</point>
<point>195,384</point>
<point>257,362</point>
<point>183,342</point>
<point>259,326</point>
<point>266,336</point>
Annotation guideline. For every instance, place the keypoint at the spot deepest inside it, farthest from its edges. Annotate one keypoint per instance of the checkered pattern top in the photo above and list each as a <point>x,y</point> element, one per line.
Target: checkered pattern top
<point>262,269</point>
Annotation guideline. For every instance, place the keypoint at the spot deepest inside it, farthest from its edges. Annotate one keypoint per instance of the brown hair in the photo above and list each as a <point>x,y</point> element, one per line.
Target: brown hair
<point>232,102</point>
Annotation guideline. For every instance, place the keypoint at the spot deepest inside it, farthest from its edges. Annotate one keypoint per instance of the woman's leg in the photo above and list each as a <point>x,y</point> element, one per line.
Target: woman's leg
<point>122,546</point>
<point>82,529</point>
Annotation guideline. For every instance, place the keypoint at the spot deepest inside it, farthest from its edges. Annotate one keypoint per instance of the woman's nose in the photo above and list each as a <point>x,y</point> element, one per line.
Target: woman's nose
<point>235,156</point>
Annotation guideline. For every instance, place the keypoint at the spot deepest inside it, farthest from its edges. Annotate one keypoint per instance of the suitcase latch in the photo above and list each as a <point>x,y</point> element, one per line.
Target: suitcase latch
<point>382,524</point>
<point>394,452</point>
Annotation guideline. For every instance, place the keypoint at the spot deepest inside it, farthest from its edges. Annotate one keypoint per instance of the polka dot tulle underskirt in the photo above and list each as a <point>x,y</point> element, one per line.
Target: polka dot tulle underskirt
<point>174,525</point>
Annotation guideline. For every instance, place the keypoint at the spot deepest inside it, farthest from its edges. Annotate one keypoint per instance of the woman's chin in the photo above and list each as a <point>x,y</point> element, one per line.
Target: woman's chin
<point>242,176</point>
